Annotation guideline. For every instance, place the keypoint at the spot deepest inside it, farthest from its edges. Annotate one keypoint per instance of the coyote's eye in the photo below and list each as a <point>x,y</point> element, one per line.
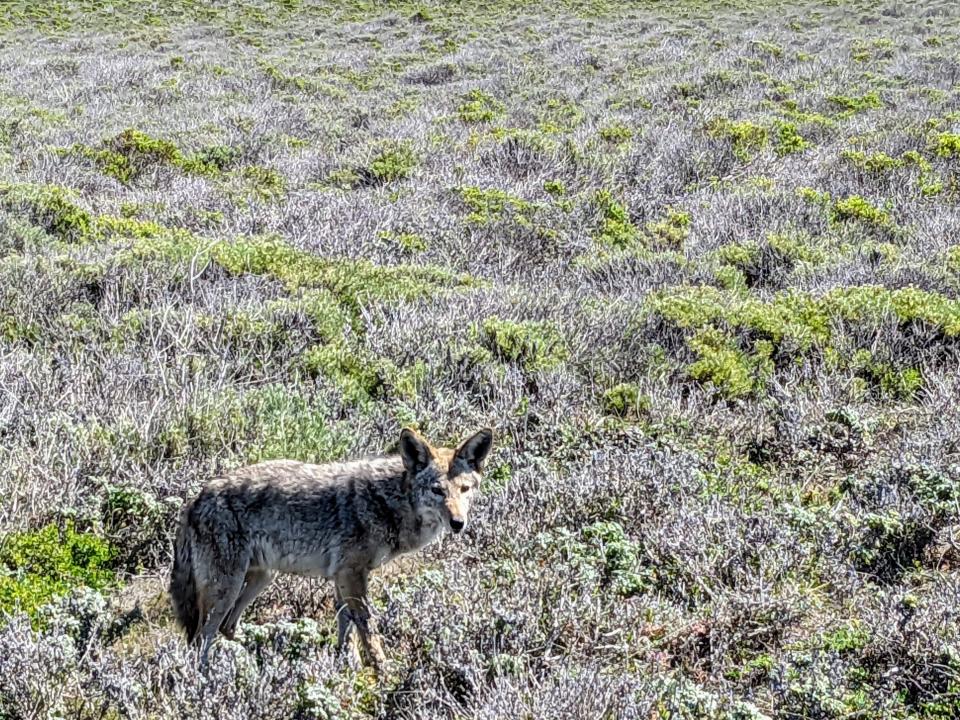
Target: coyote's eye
<point>438,490</point>
<point>465,488</point>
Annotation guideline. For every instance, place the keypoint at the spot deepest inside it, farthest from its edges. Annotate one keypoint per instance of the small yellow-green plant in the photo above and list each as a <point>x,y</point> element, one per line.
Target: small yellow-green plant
<point>533,345</point>
<point>616,228</point>
<point>488,205</point>
<point>52,208</point>
<point>746,137</point>
<point>671,231</point>
<point>625,400</point>
<point>877,163</point>
<point>37,566</point>
<point>393,161</point>
<point>616,133</point>
<point>787,139</point>
<point>479,107</point>
<point>850,105</point>
<point>947,145</point>
<point>858,208</point>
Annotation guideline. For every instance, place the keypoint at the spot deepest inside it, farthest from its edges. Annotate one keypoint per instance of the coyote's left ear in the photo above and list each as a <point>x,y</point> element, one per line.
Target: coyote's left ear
<point>474,449</point>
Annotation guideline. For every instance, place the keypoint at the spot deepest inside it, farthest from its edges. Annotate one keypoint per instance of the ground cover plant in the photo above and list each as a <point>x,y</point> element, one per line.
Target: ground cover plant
<point>698,263</point>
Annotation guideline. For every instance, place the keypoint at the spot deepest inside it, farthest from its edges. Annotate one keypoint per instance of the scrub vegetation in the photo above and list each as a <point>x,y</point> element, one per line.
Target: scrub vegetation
<point>696,262</point>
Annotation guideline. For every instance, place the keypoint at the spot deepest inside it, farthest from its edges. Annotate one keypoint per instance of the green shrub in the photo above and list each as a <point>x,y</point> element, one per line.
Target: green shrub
<point>49,207</point>
<point>284,424</point>
<point>746,137</point>
<point>724,366</point>
<point>788,139</point>
<point>850,105</point>
<point>493,205</point>
<point>393,161</point>
<point>359,376</point>
<point>353,282</point>
<point>128,155</point>
<point>534,346</point>
<point>212,161</point>
<point>600,557</point>
<point>947,145</point>
<point>671,231</point>
<point>616,228</point>
<point>268,422</point>
<point>875,163</point>
<point>620,557</point>
<point>795,323</point>
<point>899,384</point>
<point>344,178</point>
<point>858,208</point>
<point>555,188</point>
<point>142,151</point>
<point>266,183</point>
<point>625,400</point>
<point>845,638</point>
<point>411,242</point>
<point>953,259</point>
<point>768,48</point>
<point>814,196</point>
<point>616,133</point>
<point>109,162</point>
<point>38,566</point>
<point>479,107</point>
<point>558,115</point>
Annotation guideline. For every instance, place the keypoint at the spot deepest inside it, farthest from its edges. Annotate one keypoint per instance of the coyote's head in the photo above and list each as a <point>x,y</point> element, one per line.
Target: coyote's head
<point>443,481</point>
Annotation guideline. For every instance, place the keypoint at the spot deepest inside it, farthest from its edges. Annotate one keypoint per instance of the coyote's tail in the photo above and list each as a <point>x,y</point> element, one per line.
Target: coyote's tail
<point>183,585</point>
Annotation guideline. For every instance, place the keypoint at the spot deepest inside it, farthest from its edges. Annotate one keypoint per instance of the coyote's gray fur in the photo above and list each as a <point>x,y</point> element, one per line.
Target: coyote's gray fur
<point>339,520</point>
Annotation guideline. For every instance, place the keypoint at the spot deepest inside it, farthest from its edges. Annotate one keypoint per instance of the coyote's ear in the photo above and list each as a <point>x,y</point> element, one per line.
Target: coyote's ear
<point>414,451</point>
<point>474,449</point>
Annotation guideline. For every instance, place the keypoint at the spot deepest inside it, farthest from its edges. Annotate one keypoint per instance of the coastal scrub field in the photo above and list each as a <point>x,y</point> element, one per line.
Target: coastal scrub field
<point>698,263</point>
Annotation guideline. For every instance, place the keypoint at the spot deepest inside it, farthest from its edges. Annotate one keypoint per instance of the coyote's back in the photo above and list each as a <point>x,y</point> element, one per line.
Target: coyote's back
<point>338,520</point>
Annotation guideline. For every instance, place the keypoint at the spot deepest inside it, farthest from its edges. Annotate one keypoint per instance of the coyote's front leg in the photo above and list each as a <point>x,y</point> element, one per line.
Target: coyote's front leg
<point>351,597</point>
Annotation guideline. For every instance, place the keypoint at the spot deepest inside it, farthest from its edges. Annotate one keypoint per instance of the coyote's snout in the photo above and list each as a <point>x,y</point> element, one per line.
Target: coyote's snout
<point>339,520</point>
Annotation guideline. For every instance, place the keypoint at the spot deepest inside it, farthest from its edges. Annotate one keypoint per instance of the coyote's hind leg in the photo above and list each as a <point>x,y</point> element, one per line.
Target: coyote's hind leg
<point>255,582</point>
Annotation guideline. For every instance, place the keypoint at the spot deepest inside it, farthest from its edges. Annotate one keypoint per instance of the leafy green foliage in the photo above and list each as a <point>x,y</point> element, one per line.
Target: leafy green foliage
<point>37,566</point>
<point>621,557</point>
<point>392,162</point>
<point>858,208</point>
<point>616,229</point>
<point>947,145</point>
<point>875,163</point>
<point>625,400</point>
<point>50,207</point>
<point>493,205</point>
<point>265,183</point>
<point>479,107</point>
<point>534,346</point>
<point>722,365</point>
<point>787,139</point>
<point>851,104</point>
<point>746,137</point>
<point>616,133</point>
<point>795,323</point>
<point>266,423</point>
<point>671,231</point>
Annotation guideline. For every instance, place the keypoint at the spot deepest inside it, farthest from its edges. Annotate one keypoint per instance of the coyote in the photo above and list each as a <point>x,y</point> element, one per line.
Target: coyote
<point>338,520</point>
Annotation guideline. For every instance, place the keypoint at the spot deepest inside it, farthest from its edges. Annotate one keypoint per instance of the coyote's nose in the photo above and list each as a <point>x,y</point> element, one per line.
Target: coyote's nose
<point>456,524</point>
